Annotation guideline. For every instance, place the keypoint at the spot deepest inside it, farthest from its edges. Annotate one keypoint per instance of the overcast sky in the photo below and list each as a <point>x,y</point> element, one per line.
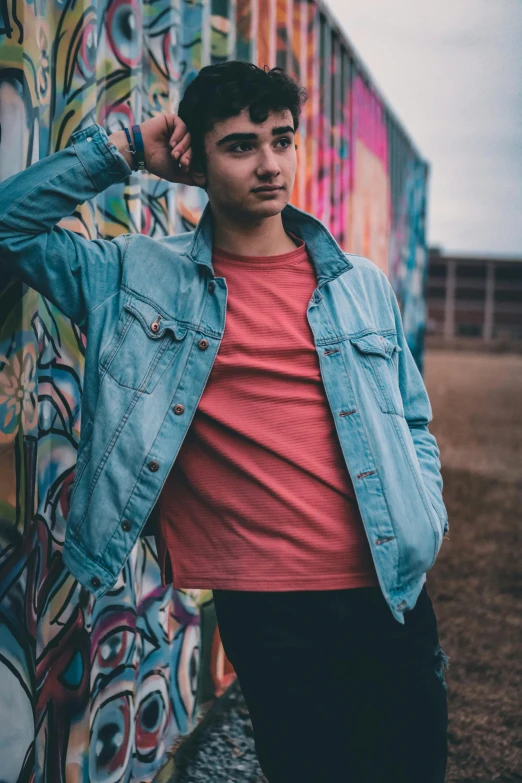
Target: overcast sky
<point>452,72</point>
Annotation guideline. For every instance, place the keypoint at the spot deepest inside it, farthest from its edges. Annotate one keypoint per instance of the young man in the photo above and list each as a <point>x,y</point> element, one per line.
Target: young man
<point>287,457</point>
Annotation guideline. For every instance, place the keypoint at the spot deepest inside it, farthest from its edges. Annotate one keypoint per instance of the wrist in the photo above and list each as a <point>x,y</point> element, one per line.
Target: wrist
<point>119,139</point>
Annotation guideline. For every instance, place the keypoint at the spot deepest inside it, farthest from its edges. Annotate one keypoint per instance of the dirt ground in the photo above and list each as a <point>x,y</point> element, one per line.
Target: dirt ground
<point>476,583</point>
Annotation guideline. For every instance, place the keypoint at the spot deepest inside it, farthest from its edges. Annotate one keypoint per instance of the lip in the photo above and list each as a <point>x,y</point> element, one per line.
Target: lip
<point>268,189</point>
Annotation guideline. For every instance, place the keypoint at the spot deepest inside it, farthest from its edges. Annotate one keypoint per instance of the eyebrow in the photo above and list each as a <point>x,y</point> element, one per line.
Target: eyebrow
<point>253,136</point>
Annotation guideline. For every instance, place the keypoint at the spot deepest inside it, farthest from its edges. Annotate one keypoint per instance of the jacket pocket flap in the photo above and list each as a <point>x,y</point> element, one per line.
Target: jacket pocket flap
<point>377,344</point>
<point>152,321</point>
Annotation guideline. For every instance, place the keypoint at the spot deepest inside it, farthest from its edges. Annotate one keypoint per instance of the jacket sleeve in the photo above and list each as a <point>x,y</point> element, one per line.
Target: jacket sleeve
<point>74,273</point>
<point>418,414</point>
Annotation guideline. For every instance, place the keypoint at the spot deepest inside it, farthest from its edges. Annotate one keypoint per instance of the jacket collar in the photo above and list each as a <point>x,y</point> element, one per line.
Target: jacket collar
<point>328,258</point>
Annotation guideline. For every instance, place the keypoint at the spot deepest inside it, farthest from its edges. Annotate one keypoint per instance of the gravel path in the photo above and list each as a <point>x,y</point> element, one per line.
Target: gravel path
<point>224,751</point>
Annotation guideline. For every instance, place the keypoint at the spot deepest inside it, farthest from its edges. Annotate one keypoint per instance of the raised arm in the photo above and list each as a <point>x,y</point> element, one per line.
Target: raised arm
<point>75,273</point>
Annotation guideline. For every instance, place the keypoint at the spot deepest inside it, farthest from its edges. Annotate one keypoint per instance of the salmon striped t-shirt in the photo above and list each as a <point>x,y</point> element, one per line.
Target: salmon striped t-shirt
<point>259,497</point>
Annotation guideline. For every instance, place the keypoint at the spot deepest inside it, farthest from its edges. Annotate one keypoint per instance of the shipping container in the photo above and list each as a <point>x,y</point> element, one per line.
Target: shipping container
<point>101,691</point>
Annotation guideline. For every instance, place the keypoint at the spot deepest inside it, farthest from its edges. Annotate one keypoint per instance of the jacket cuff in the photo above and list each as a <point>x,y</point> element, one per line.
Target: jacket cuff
<point>100,157</point>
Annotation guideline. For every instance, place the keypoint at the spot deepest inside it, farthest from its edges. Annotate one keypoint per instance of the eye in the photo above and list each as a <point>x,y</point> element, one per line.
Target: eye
<point>235,147</point>
<point>80,66</point>
<point>123,23</point>
<point>86,61</point>
<point>286,139</point>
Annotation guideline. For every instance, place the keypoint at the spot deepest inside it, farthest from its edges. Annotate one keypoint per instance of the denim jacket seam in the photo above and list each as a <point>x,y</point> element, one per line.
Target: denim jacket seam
<point>197,327</point>
<point>421,490</point>
<point>141,470</point>
<point>106,143</point>
<point>100,304</point>
<point>367,443</point>
<point>114,154</point>
<point>400,588</point>
<point>428,477</point>
<point>122,515</point>
<point>425,421</point>
<point>160,310</point>
<point>75,542</point>
<point>114,293</point>
<point>443,518</point>
<point>125,417</point>
<point>36,187</point>
<point>341,338</point>
<point>84,167</point>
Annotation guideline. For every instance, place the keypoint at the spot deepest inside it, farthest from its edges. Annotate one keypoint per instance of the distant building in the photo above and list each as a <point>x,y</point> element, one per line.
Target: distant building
<point>473,300</point>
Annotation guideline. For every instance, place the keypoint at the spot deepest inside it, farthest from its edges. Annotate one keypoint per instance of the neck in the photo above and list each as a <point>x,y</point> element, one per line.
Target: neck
<point>260,237</point>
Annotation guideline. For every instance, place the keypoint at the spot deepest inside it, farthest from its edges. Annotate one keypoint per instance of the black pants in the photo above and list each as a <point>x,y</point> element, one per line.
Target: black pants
<point>337,689</point>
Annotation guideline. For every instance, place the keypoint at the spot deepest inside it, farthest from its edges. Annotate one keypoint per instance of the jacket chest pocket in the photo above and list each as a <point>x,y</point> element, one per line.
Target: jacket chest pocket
<point>378,355</point>
<point>144,345</point>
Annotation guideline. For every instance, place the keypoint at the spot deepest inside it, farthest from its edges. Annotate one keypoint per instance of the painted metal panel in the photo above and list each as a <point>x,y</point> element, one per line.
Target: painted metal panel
<point>100,691</point>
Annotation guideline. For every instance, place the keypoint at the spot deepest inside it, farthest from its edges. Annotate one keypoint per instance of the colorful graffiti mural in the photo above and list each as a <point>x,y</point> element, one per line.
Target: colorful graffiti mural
<point>100,691</point>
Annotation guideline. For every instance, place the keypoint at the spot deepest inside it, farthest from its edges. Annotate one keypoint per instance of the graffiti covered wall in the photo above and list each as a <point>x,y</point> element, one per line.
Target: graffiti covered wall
<point>99,691</point>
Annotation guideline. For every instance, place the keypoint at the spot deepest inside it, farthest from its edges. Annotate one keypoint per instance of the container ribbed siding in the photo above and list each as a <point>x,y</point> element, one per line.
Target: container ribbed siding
<point>119,63</point>
<point>121,679</point>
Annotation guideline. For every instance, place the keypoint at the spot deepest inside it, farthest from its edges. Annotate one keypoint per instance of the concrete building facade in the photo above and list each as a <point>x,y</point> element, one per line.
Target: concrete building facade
<point>473,300</point>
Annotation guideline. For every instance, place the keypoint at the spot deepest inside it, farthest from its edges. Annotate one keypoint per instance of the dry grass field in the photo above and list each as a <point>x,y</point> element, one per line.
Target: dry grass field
<point>476,583</point>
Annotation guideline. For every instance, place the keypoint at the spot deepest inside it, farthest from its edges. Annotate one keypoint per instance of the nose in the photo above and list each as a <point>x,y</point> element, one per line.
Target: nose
<point>268,166</point>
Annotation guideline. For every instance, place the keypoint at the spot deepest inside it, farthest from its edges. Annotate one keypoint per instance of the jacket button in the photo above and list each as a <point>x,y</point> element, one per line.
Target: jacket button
<point>203,344</point>
<point>211,287</point>
<point>155,326</point>
<point>178,409</point>
<point>153,466</point>
<point>95,582</point>
<point>126,525</point>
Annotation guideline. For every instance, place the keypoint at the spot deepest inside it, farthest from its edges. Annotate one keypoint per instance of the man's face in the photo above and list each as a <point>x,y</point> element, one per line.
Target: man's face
<point>251,166</point>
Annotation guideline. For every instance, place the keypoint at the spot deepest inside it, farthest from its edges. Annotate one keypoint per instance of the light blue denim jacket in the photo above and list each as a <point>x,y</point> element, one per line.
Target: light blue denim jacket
<point>154,315</point>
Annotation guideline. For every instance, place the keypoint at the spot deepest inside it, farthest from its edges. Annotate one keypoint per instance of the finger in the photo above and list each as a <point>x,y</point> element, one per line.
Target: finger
<point>183,145</point>
<point>180,129</point>
<point>175,156</point>
<point>185,161</point>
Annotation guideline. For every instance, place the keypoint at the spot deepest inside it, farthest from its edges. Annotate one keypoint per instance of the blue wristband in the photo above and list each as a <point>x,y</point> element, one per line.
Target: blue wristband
<point>132,149</point>
<point>140,149</point>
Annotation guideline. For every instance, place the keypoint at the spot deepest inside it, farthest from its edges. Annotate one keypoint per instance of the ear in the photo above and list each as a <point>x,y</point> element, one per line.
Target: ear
<point>199,177</point>
<point>198,174</point>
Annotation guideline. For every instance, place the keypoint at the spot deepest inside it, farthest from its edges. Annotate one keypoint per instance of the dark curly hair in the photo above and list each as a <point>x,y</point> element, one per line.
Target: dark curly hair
<point>224,90</point>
